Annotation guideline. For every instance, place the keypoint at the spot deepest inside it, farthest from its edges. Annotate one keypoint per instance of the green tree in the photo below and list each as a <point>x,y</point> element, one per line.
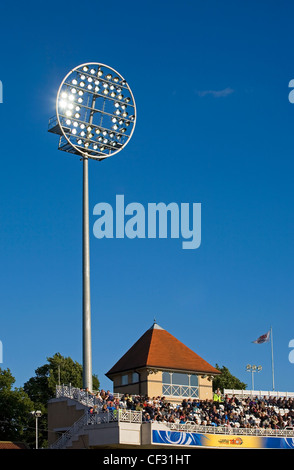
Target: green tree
<point>16,423</point>
<point>42,387</point>
<point>58,369</point>
<point>227,380</point>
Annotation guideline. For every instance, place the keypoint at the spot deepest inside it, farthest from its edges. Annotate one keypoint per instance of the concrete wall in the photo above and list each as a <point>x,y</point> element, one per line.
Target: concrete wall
<point>205,388</point>
<point>62,414</point>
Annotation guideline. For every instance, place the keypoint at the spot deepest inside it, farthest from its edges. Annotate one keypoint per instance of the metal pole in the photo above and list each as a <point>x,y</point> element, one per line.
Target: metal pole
<point>36,432</point>
<point>272,348</point>
<point>87,346</point>
<point>252,380</point>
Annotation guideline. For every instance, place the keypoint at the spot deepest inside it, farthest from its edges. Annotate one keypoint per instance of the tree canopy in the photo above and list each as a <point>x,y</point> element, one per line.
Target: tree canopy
<point>227,380</point>
<point>58,370</point>
<point>17,422</point>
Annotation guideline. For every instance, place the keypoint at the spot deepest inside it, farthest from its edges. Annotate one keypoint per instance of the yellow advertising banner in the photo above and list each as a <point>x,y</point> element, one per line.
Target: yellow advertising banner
<point>233,441</point>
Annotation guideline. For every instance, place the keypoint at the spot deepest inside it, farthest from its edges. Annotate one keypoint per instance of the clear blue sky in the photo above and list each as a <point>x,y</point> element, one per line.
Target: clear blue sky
<point>214,126</point>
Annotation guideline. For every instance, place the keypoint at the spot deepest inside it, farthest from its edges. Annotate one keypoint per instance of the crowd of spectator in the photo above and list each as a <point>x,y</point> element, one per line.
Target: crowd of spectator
<point>228,411</point>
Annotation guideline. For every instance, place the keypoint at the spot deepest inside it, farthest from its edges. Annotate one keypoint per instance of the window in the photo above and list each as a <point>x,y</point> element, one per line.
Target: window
<point>124,379</point>
<point>179,384</point>
<point>135,377</point>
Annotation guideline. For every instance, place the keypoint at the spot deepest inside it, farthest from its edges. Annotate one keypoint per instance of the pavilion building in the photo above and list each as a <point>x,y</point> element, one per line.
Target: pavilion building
<point>158,364</point>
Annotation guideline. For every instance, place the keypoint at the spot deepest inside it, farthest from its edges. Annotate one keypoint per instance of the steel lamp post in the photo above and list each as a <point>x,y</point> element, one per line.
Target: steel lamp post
<point>253,369</point>
<point>36,414</point>
<point>95,119</point>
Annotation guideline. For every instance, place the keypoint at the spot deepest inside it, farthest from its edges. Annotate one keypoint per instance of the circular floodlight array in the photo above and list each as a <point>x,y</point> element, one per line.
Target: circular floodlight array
<point>96,110</point>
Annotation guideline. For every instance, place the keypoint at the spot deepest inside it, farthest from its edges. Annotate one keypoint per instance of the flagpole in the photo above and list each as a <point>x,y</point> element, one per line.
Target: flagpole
<point>272,348</point>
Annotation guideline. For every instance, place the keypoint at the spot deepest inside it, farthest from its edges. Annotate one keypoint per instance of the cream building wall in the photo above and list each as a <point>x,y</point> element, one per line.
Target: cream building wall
<point>150,384</point>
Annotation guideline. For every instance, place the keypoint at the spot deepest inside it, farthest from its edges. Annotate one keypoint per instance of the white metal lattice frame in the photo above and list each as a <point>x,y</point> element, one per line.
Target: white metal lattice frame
<point>96,110</point>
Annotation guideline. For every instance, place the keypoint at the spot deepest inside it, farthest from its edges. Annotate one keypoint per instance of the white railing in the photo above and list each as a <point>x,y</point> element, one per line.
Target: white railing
<point>82,396</point>
<point>88,419</point>
<point>257,393</point>
<point>126,416</point>
<point>183,391</point>
<point>63,440</point>
<point>191,427</point>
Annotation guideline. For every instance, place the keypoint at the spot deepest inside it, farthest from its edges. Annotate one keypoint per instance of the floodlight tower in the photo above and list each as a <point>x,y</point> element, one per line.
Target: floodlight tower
<point>95,119</point>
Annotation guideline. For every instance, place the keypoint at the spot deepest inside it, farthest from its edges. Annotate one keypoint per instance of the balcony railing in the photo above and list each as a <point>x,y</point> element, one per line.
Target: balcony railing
<point>126,416</point>
<point>82,396</point>
<point>192,427</point>
<point>88,419</point>
<point>180,391</point>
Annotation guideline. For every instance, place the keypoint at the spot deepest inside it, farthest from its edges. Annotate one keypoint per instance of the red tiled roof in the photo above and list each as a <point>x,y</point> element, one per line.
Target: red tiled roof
<point>158,348</point>
<point>12,445</point>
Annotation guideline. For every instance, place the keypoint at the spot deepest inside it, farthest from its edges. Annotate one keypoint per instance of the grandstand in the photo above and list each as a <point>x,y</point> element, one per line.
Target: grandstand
<point>87,423</point>
<point>163,398</point>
